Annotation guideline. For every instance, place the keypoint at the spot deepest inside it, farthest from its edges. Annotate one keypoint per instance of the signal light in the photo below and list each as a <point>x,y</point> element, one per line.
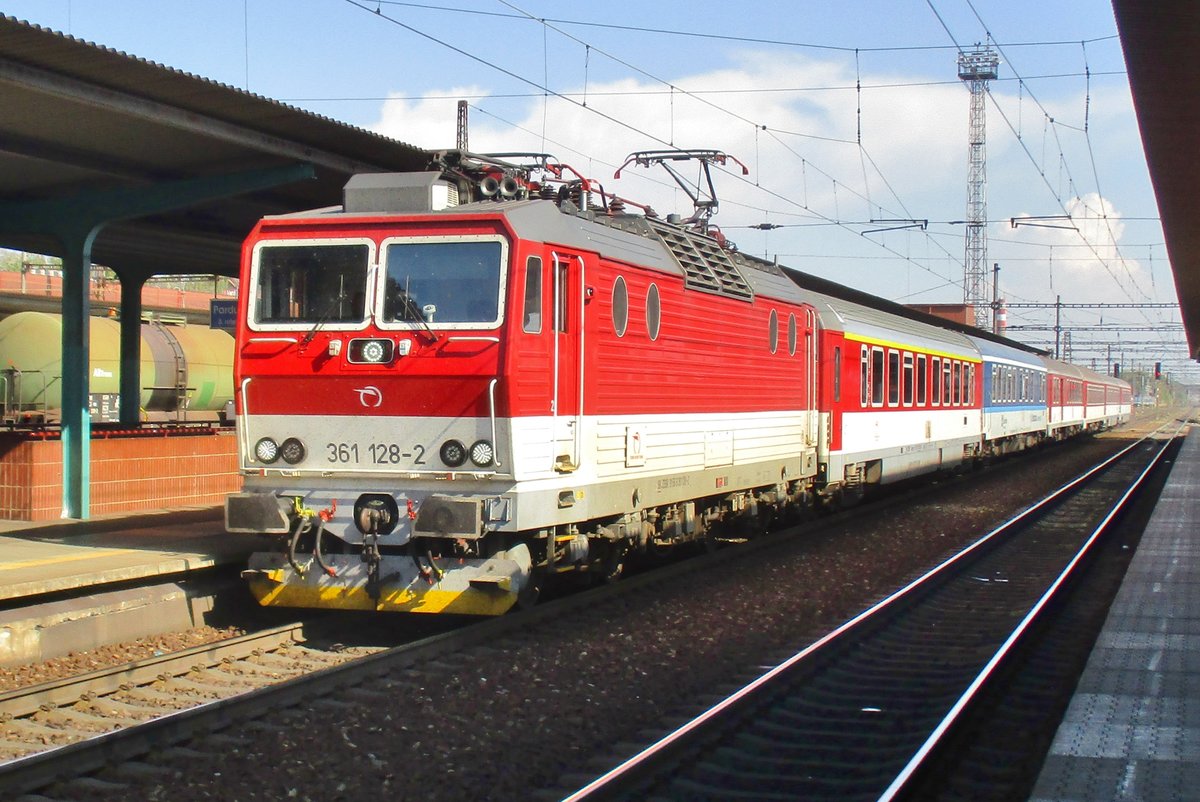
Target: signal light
<point>453,453</point>
<point>482,453</point>
<point>1157,371</point>
<point>266,450</point>
<point>292,451</point>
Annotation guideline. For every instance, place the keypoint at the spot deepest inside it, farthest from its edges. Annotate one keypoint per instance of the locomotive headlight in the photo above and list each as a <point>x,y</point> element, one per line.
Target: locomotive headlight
<point>266,450</point>
<point>482,453</point>
<point>453,453</point>
<point>372,351</point>
<point>292,451</point>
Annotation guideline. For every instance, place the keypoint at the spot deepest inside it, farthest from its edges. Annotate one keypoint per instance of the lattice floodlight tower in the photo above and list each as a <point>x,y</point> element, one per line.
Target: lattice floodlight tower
<point>977,67</point>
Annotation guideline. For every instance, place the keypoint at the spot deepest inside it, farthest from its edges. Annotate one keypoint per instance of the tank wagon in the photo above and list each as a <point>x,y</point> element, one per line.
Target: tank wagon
<point>186,371</point>
<point>466,381</point>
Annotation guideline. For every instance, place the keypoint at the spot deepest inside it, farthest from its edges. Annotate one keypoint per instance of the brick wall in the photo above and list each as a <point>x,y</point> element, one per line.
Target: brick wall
<point>128,474</point>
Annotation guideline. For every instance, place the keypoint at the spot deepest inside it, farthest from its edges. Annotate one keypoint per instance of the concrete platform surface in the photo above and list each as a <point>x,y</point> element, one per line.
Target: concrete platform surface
<point>36,559</point>
<point>1132,730</point>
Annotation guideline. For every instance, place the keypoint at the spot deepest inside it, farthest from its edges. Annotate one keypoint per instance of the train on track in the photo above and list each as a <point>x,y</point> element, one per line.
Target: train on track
<point>468,380</point>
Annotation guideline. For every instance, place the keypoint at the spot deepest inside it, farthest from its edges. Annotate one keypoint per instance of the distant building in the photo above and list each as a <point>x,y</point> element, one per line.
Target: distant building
<point>957,313</point>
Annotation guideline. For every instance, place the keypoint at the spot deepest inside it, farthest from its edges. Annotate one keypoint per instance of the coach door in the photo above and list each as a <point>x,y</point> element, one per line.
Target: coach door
<point>567,406</point>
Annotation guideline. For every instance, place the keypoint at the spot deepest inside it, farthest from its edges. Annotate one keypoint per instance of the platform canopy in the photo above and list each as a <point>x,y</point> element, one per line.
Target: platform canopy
<point>82,122</point>
<point>110,159</point>
<point>1161,40</point>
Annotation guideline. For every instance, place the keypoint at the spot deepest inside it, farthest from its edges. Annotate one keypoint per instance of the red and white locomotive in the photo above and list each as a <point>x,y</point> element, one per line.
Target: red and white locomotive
<point>467,380</point>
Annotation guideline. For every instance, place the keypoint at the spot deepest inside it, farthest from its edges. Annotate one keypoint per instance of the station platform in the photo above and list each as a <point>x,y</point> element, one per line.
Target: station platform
<point>44,558</point>
<point>1132,730</point>
<point>71,585</point>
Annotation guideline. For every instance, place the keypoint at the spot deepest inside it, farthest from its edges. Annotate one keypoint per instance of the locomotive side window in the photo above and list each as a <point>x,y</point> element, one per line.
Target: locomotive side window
<point>562,293</point>
<point>922,379</point>
<point>533,296</point>
<point>311,284</point>
<point>893,378</point>
<point>791,335</point>
<point>865,376</point>
<point>773,331</point>
<point>620,306</point>
<point>443,282</point>
<point>877,377</point>
<point>653,312</point>
<point>908,379</point>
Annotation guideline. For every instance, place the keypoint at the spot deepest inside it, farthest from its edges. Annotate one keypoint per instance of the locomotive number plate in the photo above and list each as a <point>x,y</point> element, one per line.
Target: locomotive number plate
<point>374,454</point>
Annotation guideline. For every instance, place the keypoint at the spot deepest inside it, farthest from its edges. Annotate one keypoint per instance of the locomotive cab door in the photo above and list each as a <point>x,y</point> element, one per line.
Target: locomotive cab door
<point>567,404</point>
<point>811,372</point>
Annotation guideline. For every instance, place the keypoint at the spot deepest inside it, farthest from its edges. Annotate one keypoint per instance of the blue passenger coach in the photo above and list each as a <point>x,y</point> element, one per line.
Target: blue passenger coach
<point>1014,397</point>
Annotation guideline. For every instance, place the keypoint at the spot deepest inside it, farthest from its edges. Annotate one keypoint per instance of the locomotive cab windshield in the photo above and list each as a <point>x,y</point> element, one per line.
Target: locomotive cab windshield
<point>438,282</point>
<point>311,284</point>
<point>425,283</point>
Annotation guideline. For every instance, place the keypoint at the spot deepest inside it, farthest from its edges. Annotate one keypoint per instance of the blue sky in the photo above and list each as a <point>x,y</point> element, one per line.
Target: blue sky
<point>844,112</point>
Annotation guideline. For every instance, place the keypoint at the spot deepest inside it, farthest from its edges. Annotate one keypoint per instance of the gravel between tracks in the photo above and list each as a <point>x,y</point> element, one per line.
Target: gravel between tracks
<point>76,663</point>
<point>545,707</point>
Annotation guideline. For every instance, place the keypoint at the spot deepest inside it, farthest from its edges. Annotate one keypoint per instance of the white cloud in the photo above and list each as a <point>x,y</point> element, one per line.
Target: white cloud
<point>807,167</point>
<point>1081,258</point>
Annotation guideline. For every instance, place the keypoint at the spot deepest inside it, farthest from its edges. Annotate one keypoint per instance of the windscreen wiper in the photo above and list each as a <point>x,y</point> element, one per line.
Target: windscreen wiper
<point>413,312</point>
<point>325,315</point>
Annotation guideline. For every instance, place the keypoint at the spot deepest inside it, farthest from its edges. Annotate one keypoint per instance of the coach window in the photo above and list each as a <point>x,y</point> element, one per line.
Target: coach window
<point>955,382</point>
<point>922,379</point>
<point>791,335</point>
<point>837,373</point>
<point>936,382</point>
<point>532,318</point>
<point>893,378</point>
<point>773,331</point>
<point>908,379</point>
<point>864,377</point>
<point>946,394</point>
<point>971,387</point>
<point>653,312</point>
<point>620,306</point>
<point>877,377</point>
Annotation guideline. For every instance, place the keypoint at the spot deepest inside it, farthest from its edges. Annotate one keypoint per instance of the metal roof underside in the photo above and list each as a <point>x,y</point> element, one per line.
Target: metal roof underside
<point>1161,40</point>
<point>80,118</point>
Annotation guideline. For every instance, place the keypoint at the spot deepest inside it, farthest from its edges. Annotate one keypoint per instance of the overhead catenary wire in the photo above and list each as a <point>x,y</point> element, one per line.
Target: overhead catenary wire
<point>840,189</point>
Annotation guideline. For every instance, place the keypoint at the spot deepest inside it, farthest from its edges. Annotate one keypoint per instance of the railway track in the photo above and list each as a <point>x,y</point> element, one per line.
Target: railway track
<point>121,761</point>
<point>865,712</point>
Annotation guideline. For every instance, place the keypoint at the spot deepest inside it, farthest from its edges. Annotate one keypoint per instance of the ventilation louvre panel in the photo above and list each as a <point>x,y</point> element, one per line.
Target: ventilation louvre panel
<point>706,265</point>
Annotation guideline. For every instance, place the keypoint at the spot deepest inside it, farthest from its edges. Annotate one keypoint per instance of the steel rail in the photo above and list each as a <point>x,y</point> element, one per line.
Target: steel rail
<point>629,770</point>
<point>39,770</point>
<point>939,733</point>
<point>29,700</point>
